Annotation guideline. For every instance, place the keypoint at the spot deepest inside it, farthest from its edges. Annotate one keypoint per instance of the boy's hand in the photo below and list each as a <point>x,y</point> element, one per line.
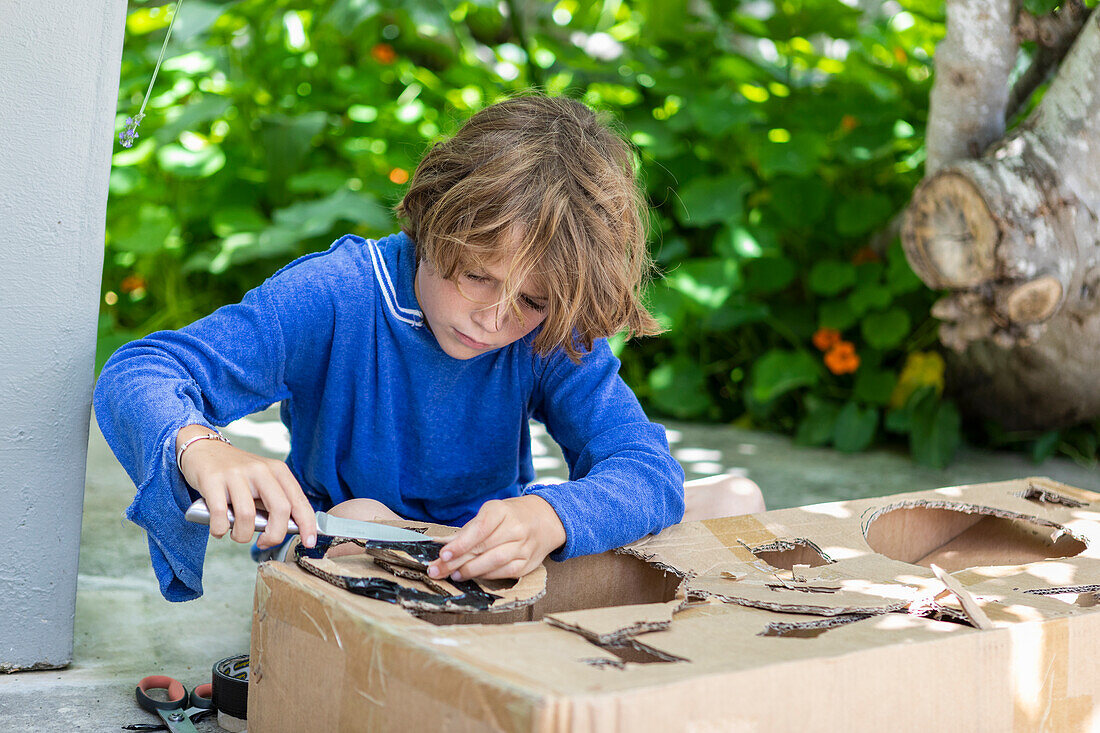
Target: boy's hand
<point>507,539</point>
<point>228,476</point>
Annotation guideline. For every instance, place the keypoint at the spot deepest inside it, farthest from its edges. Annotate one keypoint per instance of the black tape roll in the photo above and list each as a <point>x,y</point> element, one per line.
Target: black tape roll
<point>230,680</point>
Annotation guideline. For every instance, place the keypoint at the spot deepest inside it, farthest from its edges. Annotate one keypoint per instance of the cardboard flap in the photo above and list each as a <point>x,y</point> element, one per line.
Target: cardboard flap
<point>694,548</point>
<point>808,599</point>
<point>616,624</point>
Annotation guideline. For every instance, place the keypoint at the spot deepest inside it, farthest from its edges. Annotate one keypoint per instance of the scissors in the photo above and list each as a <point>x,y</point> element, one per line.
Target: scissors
<point>180,711</point>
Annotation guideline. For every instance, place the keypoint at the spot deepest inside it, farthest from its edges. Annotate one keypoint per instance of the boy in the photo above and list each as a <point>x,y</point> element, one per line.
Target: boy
<point>408,368</point>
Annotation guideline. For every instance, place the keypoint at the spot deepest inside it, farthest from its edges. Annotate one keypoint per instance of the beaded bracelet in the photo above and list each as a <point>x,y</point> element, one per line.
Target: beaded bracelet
<point>185,446</point>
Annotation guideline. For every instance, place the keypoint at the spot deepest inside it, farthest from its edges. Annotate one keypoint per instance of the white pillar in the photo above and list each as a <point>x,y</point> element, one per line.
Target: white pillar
<point>59,74</point>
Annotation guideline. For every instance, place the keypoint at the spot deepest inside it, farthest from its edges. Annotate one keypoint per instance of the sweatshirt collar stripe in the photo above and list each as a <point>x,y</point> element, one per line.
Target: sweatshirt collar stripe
<point>393,290</point>
<point>389,294</point>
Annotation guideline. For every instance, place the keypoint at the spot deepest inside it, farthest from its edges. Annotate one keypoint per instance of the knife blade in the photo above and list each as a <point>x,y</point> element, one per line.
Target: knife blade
<point>199,513</point>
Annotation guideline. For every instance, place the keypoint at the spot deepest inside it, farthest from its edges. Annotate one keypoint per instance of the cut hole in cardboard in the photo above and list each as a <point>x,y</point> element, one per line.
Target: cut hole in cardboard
<point>785,554</point>
<point>956,537</point>
<point>632,651</point>
<point>591,581</point>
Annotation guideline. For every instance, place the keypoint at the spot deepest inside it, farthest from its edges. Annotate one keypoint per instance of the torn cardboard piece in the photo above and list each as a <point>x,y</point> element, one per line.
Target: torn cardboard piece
<point>737,618</point>
<point>970,605</point>
<point>396,572</point>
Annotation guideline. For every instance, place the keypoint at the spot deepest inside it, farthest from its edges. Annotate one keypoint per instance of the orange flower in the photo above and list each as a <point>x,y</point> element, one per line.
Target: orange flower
<point>130,283</point>
<point>383,53</point>
<point>842,358</point>
<point>825,338</point>
<point>865,254</point>
<point>900,55</point>
<point>399,175</point>
<point>849,122</point>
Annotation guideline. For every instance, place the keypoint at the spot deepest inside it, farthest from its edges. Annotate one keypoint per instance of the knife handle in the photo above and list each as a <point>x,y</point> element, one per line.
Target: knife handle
<point>199,513</point>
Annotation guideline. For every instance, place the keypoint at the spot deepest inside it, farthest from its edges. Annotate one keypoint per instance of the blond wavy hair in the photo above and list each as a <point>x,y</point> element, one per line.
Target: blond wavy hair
<point>544,181</point>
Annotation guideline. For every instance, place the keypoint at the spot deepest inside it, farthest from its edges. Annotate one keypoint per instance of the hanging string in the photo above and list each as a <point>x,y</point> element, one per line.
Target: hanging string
<point>127,136</point>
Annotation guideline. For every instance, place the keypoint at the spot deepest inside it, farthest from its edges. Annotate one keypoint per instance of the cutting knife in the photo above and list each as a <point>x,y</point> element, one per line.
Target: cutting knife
<point>199,513</point>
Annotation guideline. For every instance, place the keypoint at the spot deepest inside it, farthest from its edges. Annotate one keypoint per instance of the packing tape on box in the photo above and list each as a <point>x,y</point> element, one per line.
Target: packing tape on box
<point>230,682</point>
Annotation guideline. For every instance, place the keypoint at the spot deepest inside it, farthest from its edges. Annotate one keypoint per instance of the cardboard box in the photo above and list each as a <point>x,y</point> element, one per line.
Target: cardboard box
<point>827,617</point>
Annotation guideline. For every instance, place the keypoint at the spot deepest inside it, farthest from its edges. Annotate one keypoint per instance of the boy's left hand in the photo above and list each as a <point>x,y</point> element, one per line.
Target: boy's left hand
<point>507,539</point>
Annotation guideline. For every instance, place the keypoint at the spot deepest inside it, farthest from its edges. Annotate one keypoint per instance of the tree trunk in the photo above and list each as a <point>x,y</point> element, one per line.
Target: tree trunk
<point>1008,225</point>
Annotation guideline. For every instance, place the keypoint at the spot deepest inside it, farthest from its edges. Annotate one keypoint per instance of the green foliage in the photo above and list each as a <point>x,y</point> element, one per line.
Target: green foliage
<point>777,143</point>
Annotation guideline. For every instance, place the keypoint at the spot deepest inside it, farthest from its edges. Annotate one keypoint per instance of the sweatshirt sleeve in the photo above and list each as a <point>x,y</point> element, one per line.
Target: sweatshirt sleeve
<point>215,370</point>
<point>624,482</point>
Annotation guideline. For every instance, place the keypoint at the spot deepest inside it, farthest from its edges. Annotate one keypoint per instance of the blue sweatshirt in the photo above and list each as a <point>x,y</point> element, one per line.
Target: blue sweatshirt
<point>376,409</point>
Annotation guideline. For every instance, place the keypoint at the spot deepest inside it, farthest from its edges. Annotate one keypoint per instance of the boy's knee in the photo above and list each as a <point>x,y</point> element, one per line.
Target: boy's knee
<point>365,510</point>
<point>724,495</point>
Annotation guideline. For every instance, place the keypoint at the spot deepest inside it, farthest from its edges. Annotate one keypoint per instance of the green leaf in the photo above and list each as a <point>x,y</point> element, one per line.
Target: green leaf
<point>238,249</point>
<point>655,138</point>
<point>195,17</point>
<point>143,232</point>
<point>717,113</point>
<point>668,305</point>
<point>818,426</point>
<point>836,314</point>
<point>799,202</point>
<point>741,242</point>
<point>706,201</point>
<point>1045,445</point>
<point>798,157</point>
<point>733,315</point>
<point>861,214</point>
<point>678,387</point>
<point>319,180</point>
<point>234,219</point>
<point>346,15</point>
<point>855,428</point>
<point>874,386</point>
<point>899,275</point>
<point>885,329</point>
<point>870,297</point>
<point>778,372</point>
<point>898,421</point>
<point>708,282</point>
<point>831,18</point>
<point>829,277</point>
<point>664,18</point>
<point>901,420</point>
<point>796,318</point>
<point>184,163</point>
<point>124,180</point>
<point>869,273</point>
<point>314,218</point>
<point>935,433</point>
<point>209,107</point>
<point>765,275</point>
<point>1041,7</point>
<point>287,140</point>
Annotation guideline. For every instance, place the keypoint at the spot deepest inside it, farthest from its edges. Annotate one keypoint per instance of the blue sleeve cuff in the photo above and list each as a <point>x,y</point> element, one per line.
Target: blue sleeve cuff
<point>176,547</point>
<point>552,497</point>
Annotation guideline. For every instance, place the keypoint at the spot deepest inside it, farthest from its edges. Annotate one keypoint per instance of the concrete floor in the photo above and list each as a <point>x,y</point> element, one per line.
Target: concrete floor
<point>124,630</point>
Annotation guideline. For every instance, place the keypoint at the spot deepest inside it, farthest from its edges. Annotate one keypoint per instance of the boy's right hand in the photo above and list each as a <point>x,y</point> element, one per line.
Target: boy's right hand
<point>228,476</point>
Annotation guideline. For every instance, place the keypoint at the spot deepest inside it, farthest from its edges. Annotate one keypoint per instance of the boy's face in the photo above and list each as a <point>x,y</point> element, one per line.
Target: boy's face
<point>465,315</point>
